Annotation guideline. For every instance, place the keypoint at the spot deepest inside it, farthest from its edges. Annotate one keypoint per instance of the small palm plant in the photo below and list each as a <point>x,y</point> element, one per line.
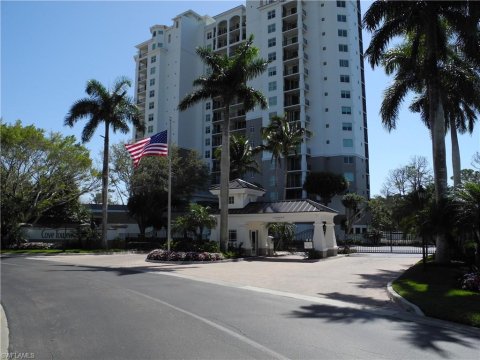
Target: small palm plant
<point>282,138</point>
<point>242,157</point>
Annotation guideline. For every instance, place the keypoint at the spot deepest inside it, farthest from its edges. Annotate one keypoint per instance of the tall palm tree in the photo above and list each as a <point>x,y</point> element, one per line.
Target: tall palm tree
<point>459,90</point>
<point>242,157</point>
<point>114,108</point>
<point>427,20</point>
<point>281,139</point>
<point>228,83</point>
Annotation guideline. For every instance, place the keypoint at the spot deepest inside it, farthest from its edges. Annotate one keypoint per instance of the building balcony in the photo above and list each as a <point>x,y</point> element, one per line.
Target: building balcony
<point>289,25</point>
<point>234,27</point>
<point>222,31</point>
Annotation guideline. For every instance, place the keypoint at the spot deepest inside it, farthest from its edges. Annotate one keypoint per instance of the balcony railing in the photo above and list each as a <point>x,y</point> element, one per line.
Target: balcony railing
<point>290,26</point>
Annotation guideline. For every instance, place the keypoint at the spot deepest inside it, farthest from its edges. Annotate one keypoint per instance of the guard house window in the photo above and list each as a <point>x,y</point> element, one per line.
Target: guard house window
<point>272,71</point>
<point>345,78</point>
<point>151,105</point>
<point>153,59</point>
<point>232,234</point>
<point>346,110</point>
<point>271,28</point>
<point>343,63</point>
<point>231,200</point>
<point>150,117</point>
<point>271,14</point>
<point>152,93</point>
<point>341,4</point>
<point>345,94</point>
<point>347,126</point>
<point>209,35</point>
<point>272,42</point>
<point>169,38</point>
<point>341,18</point>
<point>272,56</point>
<point>342,47</point>
<point>342,32</point>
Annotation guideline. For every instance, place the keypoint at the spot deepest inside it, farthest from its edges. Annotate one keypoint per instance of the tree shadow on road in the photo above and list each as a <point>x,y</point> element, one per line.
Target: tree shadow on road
<point>120,271</point>
<point>418,332</point>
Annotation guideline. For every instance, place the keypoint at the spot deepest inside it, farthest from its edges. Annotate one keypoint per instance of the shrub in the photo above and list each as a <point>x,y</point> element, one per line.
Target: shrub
<point>34,246</point>
<point>164,255</point>
<point>471,281</point>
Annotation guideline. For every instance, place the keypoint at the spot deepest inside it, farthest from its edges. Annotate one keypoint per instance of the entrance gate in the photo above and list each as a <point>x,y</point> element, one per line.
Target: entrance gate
<point>388,242</point>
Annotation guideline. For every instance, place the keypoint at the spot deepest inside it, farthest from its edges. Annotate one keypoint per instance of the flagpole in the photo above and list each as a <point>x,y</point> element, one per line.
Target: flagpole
<point>169,211</point>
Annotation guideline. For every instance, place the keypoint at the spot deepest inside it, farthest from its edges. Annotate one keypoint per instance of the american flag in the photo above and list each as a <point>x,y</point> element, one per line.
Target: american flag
<point>155,145</point>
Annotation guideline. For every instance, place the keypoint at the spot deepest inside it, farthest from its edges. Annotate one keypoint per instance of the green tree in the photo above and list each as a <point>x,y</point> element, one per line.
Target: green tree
<point>227,82</point>
<point>42,176</point>
<point>325,184</point>
<point>467,212</point>
<point>353,209</point>
<point>196,220</point>
<point>242,157</point>
<point>470,175</point>
<point>149,186</point>
<point>113,108</point>
<point>426,22</point>
<point>282,138</point>
<point>121,171</point>
<point>283,234</point>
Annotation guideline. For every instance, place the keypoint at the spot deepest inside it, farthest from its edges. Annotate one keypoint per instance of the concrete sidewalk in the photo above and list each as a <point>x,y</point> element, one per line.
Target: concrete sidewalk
<point>358,279</point>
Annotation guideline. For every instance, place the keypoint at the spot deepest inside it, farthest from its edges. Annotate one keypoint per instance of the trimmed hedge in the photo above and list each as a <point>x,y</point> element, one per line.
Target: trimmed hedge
<point>34,246</point>
<point>165,255</point>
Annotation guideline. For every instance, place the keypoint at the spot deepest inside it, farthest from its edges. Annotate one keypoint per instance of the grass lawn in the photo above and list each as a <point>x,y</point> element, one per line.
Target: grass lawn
<point>59,251</point>
<point>437,292</point>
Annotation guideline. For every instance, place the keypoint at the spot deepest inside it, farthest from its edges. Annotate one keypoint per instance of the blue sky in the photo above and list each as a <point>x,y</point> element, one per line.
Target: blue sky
<point>50,49</point>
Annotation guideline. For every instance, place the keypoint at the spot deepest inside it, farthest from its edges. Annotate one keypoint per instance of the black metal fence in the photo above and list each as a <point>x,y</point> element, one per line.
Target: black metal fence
<point>386,242</point>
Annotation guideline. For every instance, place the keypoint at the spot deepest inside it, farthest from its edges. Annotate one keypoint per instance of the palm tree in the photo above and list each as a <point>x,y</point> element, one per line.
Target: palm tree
<point>283,234</point>
<point>460,93</point>
<point>112,107</point>
<point>228,83</point>
<point>427,20</point>
<point>242,157</point>
<point>281,139</point>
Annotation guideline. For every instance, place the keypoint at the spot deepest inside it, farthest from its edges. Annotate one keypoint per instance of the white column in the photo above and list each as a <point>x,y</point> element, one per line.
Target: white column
<point>319,243</point>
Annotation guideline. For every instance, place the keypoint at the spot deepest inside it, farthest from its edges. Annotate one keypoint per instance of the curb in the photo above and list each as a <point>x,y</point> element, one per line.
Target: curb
<point>402,302</point>
<point>4,332</point>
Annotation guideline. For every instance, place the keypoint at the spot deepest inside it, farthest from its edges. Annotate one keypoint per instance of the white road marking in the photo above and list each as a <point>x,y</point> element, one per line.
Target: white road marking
<point>227,331</point>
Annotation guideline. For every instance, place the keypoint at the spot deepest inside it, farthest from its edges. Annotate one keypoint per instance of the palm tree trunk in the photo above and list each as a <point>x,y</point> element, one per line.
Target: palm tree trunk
<point>224,178</point>
<point>285,177</point>
<point>105,187</point>
<point>455,153</point>
<point>442,254</point>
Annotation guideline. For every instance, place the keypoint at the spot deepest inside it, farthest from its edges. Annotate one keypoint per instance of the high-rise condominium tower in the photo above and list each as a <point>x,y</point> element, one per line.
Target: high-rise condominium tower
<point>315,77</point>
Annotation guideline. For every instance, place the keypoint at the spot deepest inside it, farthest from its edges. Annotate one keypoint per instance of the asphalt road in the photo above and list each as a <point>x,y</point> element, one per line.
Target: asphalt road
<point>63,311</point>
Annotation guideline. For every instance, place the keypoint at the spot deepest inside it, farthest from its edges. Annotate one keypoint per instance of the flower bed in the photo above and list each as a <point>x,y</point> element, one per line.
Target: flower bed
<point>165,255</point>
<point>34,246</point>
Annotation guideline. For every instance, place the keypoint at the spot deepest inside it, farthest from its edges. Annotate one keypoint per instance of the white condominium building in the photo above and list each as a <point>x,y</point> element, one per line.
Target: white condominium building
<point>315,77</point>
